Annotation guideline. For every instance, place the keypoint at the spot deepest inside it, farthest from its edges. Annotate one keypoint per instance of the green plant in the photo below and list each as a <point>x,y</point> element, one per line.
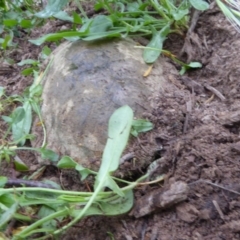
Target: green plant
<point>57,205</point>
<point>15,14</point>
<point>231,9</point>
<point>34,64</point>
<point>152,19</point>
<point>20,122</point>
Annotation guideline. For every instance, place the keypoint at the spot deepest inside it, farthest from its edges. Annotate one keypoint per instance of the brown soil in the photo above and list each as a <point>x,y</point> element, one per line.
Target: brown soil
<point>197,123</point>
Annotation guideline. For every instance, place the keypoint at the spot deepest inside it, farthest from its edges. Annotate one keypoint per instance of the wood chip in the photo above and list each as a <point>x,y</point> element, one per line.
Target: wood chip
<point>216,205</point>
<point>160,199</point>
<point>215,91</point>
<point>229,118</point>
<point>148,71</point>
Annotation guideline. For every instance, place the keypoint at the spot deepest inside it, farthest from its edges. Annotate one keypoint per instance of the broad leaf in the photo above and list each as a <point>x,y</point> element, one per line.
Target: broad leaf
<point>186,67</point>
<point>118,132</point>
<point>100,23</point>
<point>97,28</point>
<point>49,155</point>
<point>179,14</point>
<point>7,215</point>
<point>66,163</point>
<point>84,172</point>
<point>56,37</point>
<point>44,212</point>
<point>199,4</point>
<point>52,7</point>
<point>17,115</point>
<point>21,128</point>
<point>140,125</point>
<point>19,164</point>
<point>28,61</point>
<point>154,47</point>
<point>63,16</point>
<point>3,181</point>
<point>119,206</point>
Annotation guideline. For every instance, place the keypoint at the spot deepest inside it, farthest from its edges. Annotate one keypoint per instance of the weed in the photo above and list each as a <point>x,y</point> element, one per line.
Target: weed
<point>231,9</point>
<point>20,122</point>
<point>152,19</point>
<point>56,204</point>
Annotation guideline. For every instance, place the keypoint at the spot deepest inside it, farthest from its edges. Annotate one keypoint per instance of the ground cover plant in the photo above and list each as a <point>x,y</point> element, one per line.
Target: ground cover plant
<point>151,19</point>
<point>63,203</point>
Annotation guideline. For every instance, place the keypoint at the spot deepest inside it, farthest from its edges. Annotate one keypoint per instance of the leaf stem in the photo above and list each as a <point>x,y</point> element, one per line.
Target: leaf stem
<point>30,228</point>
<point>160,11</point>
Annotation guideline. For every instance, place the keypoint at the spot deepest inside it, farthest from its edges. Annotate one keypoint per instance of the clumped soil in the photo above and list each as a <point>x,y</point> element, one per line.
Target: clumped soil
<point>197,124</point>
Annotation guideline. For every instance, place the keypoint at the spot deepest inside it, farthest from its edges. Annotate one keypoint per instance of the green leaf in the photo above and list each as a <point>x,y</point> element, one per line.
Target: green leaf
<point>17,115</point>
<point>118,132</point>
<point>66,163</point>
<point>7,215</point>
<point>84,172</point>
<point>186,67</point>
<point>49,154</point>
<point>26,23</point>
<point>6,41</point>
<point>195,65</point>
<point>22,128</point>
<point>41,197</point>
<point>63,16</point>
<point>120,205</point>
<point>19,164</point>
<point>7,152</point>
<point>183,70</point>
<point>231,12</point>
<point>154,47</point>
<point>7,119</point>
<point>7,199</point>
<point>199,4</point>
<point>3,181</point>
<point>46,51</point>
<point>141,125</point>
<point>109,34</point>
<point>29,62</point>
<point>100,23</point>
<point>27,71</point>
<point>10,22</point>
<point>76,18</point>
<point>29,230</point>
<point>44,212</point>
<point>56,37</point>
<point>178,15</point>
<point>133,7</point>
<point>52,7</point>
<point>97,27</point>
<point>98,6</point>
<point>35,91</point>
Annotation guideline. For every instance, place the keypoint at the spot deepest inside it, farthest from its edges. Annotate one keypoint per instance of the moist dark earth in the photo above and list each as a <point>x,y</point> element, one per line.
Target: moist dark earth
<point>197,124</point>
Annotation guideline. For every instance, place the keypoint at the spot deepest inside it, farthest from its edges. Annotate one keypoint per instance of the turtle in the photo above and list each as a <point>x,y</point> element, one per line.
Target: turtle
<point>85,84</point>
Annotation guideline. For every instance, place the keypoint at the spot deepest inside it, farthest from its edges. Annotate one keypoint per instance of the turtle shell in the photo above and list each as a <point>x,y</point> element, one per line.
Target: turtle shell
<point>84,85</point>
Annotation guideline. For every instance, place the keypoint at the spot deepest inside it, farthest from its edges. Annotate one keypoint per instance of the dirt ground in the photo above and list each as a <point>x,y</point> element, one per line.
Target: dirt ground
<point>197,123</point>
